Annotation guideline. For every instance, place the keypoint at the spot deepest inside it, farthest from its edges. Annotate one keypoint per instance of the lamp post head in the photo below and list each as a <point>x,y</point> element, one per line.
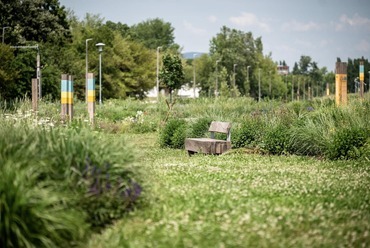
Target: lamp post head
<point>100,46</point>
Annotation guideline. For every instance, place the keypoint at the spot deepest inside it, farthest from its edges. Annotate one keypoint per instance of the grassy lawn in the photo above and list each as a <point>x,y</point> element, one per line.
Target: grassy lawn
<point>243,200</point>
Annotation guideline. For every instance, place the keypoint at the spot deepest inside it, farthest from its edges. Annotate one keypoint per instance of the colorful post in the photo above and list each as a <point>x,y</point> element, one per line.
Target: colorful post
<point>91,96</point>
<point>67,96</point>
<point>362,79</point>
<point>341,83</point>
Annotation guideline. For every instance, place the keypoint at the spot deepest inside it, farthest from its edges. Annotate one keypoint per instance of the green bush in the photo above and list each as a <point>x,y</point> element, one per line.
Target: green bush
<point>173,134</point>
<point>276,138</point>
<point>248,134</point>
<point>200,127</point>
<point>347,143</point>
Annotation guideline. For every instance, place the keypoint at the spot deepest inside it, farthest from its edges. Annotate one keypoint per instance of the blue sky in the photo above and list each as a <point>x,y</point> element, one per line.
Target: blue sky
<point>322,29</point>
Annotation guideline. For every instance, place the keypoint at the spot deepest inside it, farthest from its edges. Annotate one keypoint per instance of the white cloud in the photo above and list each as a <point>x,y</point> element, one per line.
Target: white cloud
<point>191,28</point>
<point>299,26</point>
<point>355,21</point>
<point>249,20</point>
<point>212,19</point>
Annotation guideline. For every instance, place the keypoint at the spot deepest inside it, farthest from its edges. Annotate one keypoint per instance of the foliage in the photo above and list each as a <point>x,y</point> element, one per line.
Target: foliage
<point>249,133</point>
<point>275,139</point>
<point>40,21</point>
<point>8,73</point>
<point>72,165</point>
<point>35,213</point>
<point>173,134</point>
<point>171,74</point>
<point>347,143</point>
<point>200,127</point>
<point>153,33</point>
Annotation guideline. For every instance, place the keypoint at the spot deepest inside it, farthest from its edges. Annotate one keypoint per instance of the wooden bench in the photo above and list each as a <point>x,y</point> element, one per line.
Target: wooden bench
<point>211,145</point>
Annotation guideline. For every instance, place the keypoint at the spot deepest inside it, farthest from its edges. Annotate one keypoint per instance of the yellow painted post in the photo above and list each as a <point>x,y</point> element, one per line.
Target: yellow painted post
<point>341,83</point>
<point>67,96</point>
<point>64,98</point>
<point>34,94</point>
<point>91,96</point>
<point>362,79</point>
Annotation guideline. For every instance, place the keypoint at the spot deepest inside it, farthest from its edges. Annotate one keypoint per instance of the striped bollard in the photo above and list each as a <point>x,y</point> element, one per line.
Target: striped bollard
<point>67,96</point>
<point>362,79</point>
<point>91,96</point>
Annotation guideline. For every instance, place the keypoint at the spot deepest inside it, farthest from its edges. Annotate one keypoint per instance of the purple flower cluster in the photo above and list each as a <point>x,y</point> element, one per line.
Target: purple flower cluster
<point>99,182</point>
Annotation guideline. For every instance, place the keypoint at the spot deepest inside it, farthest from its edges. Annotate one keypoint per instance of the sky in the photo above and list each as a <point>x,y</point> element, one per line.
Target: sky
<point>321,29</point>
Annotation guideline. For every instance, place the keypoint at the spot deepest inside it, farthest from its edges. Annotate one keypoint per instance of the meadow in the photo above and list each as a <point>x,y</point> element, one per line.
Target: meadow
<point>298,175</point>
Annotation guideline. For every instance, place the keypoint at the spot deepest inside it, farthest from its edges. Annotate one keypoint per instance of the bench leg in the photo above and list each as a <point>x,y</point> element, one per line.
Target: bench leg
<point>190,153</point>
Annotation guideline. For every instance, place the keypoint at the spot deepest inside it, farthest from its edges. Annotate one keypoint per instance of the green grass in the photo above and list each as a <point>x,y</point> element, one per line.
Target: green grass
<point>234,200</point>
<point>244,200</point>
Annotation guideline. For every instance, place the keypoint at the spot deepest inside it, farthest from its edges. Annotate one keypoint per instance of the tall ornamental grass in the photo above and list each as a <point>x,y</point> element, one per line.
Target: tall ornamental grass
<point>59,183</point>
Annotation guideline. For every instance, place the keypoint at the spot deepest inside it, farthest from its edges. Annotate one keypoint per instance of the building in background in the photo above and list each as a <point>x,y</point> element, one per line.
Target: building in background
<point>283,69</point>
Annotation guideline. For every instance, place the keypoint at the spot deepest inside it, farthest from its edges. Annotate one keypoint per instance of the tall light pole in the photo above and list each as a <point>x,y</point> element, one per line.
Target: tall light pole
<point>270,83</point>
<point>158,48</point>
<point>234,84</point>
<point>100,49</point>
<point>4,33</point>
<point>292,88</point>
<point>368,86</point>
<point>259,84</point>
<point>216,87</point>
<point>87,66</point>
<point>194,82</point>
<point>247,77</point>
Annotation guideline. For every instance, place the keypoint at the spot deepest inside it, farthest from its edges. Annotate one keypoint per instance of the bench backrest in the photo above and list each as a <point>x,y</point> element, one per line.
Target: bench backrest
<point>220,127</point>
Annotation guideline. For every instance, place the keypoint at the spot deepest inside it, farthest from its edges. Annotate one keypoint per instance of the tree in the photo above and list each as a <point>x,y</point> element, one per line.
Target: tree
<point>153,33</point>
<point>232,46</point>
<point>30,20</point>
<point>8,73</point>
<point>172,74</point>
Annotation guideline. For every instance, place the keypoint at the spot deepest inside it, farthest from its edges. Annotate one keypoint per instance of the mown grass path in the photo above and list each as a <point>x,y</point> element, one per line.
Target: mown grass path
<point>244,200</point>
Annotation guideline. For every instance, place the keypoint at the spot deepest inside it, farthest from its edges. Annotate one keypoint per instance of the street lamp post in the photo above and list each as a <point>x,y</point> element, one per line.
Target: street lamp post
<point>86,67</point>
<point>100,49</point>
<point>234,84</point>
<point>270,74</point>
<point>216,87</point>
<point>247,78</point>
<point>292,88</point>
<point>368,86</point>
<point>194,82</point>
<point>158,48</point>
<point>4,34</point>
<point>259,84</point>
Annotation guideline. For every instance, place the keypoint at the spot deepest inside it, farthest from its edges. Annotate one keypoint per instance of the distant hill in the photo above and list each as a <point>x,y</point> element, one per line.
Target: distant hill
<point>190,55</point>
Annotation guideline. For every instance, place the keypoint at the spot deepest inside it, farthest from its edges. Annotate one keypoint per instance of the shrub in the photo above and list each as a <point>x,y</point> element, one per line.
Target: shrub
<point>276,138</point>
<point>249,133</point>
<point>200,127</point>
<point>173,134</point>
<point>347,143</point>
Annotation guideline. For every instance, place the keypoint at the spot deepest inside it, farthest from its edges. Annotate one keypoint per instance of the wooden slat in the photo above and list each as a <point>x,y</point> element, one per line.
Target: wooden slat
<point>211,145</point>
<point>220,127</point>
